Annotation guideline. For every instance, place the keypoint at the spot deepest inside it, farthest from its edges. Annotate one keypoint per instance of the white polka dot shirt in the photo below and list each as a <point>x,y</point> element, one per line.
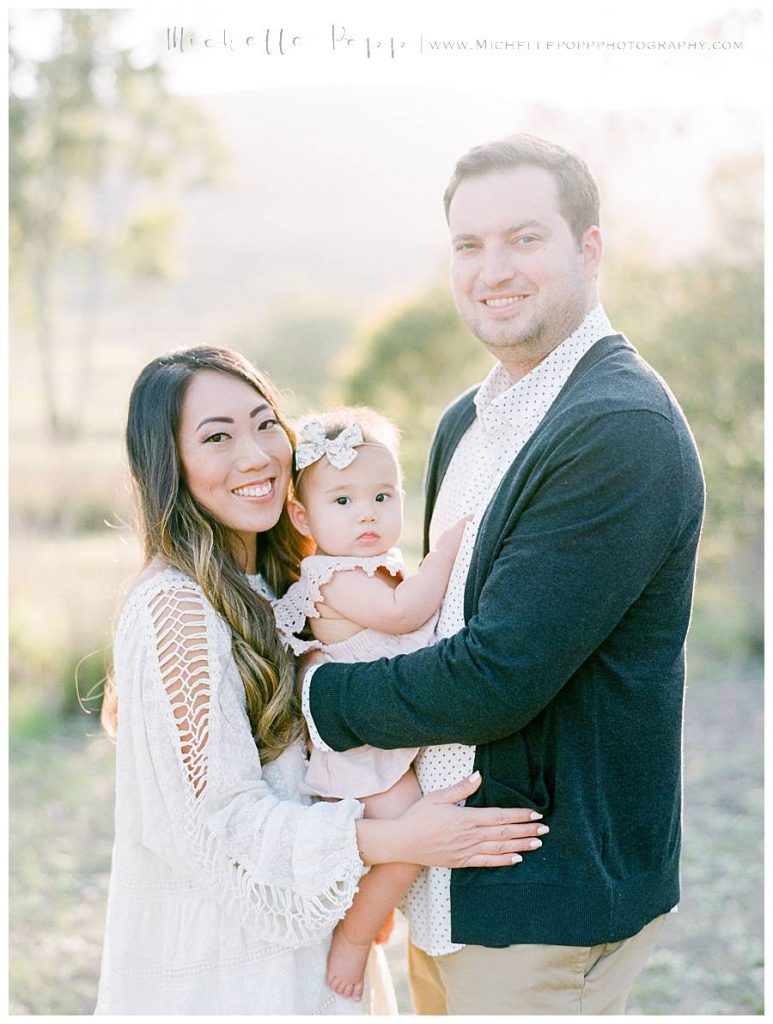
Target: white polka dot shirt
<point>507,416</point>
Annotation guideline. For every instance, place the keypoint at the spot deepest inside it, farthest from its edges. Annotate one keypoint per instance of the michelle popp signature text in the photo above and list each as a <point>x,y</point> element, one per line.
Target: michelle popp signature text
<point>278,42</point>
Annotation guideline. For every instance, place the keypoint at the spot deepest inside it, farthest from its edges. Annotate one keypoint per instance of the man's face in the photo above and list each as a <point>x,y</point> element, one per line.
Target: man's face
<point>521,282</point>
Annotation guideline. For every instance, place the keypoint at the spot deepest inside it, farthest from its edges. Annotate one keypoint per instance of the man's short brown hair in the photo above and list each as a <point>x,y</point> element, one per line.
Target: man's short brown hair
<point>578,194</point>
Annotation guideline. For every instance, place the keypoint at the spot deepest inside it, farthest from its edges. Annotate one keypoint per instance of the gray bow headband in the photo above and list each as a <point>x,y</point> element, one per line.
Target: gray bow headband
<point>340,450</point>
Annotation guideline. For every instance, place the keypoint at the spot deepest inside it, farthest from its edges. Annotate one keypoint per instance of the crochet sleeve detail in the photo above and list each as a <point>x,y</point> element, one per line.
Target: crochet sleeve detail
<point>181,643</point>
<point>284,868</point>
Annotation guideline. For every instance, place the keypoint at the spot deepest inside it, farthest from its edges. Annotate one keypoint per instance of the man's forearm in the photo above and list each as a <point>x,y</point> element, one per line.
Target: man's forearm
<point>582,553</point>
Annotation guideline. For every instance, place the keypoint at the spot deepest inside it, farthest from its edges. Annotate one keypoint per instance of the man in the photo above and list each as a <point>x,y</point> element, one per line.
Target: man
<point>559,671</point>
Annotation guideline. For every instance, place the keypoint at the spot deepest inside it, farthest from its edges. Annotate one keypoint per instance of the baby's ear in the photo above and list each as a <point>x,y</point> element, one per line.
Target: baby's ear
<point>298,517</point>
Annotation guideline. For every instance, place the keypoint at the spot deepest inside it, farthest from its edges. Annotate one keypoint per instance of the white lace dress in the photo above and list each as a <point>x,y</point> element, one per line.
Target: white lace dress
<point>361,771</point>
<point>226,881</point>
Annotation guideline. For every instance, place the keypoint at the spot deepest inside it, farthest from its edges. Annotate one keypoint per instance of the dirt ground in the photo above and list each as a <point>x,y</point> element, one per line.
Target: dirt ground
<point>709,959</point>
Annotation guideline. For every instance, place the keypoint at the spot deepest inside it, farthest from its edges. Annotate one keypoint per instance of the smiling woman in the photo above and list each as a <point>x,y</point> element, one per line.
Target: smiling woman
<point>224,871</point>
<point>237,466</point>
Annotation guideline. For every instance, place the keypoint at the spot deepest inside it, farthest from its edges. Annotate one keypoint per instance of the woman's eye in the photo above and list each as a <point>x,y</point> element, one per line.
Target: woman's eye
<point>268,424</point>
<point>217,438</point>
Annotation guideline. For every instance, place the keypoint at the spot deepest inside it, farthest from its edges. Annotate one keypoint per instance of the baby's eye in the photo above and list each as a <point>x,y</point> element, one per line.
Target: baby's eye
<point>342,500</point>
<point>382,496</point>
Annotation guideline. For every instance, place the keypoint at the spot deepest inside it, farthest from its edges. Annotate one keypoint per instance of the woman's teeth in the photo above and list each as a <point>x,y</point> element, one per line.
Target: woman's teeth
<point>253,492</point>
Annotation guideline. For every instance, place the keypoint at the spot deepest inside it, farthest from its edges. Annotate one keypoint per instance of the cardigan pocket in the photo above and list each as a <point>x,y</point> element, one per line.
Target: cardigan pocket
<point>513,776</point>
<point>499,794</point>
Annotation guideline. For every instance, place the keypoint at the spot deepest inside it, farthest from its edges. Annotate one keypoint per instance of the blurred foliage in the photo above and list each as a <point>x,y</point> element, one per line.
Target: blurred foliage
<point>703,332</point>
<point>410,367</point>
<point>43,498</point>
<point>298,345</point>
<point>65,596</point>
<point>99,150</point>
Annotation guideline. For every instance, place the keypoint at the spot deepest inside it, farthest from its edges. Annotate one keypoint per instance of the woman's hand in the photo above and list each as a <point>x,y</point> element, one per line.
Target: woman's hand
<point>436,832</point>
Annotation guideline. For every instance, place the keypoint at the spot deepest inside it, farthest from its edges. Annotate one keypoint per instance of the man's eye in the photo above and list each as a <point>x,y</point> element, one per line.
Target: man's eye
<point>526,239</point>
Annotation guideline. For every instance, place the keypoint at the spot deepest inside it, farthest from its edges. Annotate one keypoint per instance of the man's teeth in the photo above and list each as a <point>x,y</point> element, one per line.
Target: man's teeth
<point>508,301</point>
<point>253,492</point>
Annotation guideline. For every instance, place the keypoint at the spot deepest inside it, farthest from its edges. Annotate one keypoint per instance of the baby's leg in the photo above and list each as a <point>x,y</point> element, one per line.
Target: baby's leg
<point>379,892</point>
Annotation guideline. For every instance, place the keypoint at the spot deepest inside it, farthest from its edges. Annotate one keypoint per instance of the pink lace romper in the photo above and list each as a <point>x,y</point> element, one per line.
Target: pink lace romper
<point>362,771</point>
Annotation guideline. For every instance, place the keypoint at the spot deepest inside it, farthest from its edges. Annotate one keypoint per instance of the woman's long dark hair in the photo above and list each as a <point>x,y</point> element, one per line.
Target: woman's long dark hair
<point>182,533</point>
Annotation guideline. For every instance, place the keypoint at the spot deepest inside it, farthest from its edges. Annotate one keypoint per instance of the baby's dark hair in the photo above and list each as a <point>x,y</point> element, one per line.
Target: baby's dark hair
<point>376,429</point>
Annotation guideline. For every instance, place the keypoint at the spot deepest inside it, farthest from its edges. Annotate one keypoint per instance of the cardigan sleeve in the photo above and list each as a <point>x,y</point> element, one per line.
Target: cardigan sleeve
<point>286,870</point>
<point>600,523</point>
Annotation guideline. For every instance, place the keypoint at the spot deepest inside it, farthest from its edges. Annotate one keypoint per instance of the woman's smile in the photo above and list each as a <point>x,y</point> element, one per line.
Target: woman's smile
<point>235,455</point>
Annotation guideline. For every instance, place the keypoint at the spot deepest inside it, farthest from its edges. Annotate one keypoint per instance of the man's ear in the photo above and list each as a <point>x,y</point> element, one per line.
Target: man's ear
<point>298,517</point>
<point>592,248</point>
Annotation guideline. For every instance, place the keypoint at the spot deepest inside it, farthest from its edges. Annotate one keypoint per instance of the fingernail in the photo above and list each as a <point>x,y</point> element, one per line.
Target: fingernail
<point>474,777</point>
<point>516,858</point>
<point>542,830</point>
<point>535,843</point>
<point>535,815</point>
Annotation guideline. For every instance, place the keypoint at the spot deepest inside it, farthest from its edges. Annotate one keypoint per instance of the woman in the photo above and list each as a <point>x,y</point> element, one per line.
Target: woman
<point>226,882</point>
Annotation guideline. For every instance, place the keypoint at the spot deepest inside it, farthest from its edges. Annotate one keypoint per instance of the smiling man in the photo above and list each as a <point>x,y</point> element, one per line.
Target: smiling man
<point>559,667</point>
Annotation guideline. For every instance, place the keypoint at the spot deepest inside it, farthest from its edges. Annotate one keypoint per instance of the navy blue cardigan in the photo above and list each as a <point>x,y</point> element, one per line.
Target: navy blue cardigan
<point>569,674</point>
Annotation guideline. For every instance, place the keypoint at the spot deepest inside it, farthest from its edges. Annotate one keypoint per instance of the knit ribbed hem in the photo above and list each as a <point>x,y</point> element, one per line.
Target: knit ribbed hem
<point>504,915</point>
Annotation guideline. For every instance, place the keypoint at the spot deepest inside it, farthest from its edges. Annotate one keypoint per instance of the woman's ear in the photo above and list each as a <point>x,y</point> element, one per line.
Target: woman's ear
<point>298,517</point>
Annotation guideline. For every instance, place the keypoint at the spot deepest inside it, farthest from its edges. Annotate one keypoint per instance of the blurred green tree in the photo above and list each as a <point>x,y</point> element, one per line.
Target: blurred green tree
<point>98,151</point>
<point>299,341</point>
<point>411,366</point>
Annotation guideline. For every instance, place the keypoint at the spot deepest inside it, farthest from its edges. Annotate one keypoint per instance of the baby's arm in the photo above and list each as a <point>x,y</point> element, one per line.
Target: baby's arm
<point>372,602</point>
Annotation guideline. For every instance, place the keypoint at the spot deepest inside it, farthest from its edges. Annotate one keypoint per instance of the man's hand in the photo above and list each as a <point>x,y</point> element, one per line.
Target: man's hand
<point>303,663</point>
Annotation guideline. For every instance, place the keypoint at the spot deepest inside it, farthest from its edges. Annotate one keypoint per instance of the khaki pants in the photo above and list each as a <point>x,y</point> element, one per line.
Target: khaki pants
<point>531,979</point>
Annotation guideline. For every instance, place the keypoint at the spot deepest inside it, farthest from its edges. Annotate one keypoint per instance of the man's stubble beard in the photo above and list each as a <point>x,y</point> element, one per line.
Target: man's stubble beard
<point>538,338</point>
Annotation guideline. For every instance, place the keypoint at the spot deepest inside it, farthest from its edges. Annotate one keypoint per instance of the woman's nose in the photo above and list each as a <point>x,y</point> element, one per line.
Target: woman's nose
<point>252,454</point>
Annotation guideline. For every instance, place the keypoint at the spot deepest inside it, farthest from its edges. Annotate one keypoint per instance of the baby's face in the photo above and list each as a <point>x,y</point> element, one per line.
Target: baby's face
<point>357,510</point>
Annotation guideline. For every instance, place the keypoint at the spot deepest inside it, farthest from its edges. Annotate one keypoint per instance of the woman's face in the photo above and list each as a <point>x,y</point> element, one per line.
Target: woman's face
<point>235,455</point>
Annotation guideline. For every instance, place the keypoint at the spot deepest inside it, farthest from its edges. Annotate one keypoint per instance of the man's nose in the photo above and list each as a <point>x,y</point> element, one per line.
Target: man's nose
<point>496,267</point>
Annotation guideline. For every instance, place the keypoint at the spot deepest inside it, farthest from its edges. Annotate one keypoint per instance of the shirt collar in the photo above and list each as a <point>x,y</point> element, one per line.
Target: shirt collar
<point>499,384</point>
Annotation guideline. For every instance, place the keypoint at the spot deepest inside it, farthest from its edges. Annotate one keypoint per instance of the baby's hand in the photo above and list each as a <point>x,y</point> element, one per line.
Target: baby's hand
<point>449,540</point>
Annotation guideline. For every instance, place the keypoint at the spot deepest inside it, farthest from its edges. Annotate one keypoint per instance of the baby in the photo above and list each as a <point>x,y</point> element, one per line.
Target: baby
<point>353,602</point>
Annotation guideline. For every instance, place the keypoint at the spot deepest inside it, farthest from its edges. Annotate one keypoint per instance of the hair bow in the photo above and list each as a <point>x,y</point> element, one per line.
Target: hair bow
<point>339,450</point>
